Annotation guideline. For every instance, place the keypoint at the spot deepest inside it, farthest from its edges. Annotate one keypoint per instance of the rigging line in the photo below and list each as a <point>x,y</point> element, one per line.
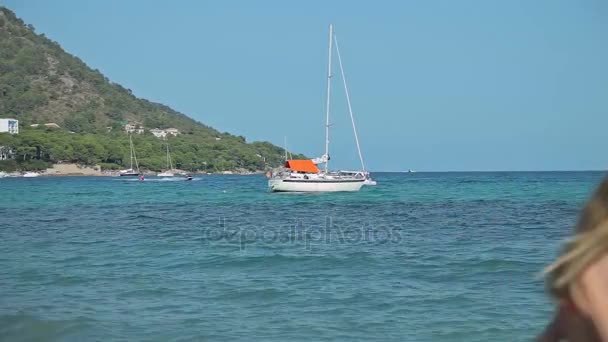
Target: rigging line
<point>350,111</point>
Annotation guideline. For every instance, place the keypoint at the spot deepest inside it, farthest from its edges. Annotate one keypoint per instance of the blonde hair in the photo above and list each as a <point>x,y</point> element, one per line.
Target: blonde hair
<point>589,243</point>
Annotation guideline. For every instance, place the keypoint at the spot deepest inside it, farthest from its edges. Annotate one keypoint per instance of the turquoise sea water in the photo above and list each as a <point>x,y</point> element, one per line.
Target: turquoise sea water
<point>419,257</point>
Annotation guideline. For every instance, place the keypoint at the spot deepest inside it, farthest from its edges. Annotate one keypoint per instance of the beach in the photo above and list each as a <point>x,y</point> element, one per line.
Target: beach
<point>71,169</point>
<point>74,170</point>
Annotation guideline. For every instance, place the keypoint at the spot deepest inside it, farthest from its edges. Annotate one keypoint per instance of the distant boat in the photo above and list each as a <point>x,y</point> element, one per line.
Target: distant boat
<point>131,171</point>
<point>167,172</point>
<point>410,171</point>
<point>303,175</point>
<point>3,174</point>
<point>30,174</point>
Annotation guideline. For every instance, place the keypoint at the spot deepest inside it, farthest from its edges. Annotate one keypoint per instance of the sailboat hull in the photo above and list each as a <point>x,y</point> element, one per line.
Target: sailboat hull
<point>302,185</point>
<point>129,173</point>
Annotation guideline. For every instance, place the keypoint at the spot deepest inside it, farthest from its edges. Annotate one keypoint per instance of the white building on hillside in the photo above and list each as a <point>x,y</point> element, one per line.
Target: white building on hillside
<point>131,128</point>
<point>172,131</point>
<point>159,133</point>
<point>162,133</point>
<point>9,126</point>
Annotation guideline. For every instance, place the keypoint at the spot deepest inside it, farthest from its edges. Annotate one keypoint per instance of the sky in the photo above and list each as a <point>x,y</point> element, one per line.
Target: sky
<point>435,85</point>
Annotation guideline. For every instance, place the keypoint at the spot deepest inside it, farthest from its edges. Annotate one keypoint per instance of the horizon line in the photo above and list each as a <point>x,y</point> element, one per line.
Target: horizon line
<point>495,171</point>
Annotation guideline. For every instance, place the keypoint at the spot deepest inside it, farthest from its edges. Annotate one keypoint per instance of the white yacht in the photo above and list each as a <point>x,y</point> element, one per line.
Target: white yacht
<point>303,175</point>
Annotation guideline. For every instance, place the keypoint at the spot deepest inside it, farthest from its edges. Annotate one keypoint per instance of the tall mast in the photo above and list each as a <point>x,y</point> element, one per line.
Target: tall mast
<point>131,149</point>
<point>134,155</point>
<point>168,160</point>
<point>331,35</point>
<point>285,146</point>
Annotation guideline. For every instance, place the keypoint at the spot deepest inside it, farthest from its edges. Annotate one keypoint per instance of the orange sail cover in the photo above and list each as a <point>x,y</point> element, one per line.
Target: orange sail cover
<point>302,165</point>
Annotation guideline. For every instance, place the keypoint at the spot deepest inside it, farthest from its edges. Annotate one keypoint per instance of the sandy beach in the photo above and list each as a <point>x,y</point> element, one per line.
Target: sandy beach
<point>74,170</point>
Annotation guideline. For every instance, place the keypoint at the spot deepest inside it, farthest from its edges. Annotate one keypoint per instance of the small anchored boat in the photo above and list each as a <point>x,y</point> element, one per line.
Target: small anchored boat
<point>168,172</point>
<point>131,172</point>
<point>31,174</point>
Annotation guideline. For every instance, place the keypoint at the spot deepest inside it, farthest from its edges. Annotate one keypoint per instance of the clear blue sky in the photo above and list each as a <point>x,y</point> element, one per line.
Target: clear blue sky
<point>435,85</point>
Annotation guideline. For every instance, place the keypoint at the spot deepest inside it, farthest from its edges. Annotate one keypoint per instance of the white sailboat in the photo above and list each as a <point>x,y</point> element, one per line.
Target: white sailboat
<point>131,171</point>
<point>303,175</point>
<point>168,172</point>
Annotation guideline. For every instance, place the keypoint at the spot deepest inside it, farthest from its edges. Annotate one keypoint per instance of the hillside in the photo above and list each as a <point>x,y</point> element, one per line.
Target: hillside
<point>41,83</point>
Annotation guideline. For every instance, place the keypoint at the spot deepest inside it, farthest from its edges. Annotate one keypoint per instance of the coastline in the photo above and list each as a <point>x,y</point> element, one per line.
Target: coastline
<point>76,170</point>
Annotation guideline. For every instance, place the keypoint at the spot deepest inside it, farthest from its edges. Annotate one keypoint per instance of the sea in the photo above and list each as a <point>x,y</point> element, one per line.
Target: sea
<point>418,257</point>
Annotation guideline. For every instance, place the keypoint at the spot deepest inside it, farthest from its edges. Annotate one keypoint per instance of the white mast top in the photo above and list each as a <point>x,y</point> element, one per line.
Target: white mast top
<point>331,34</point>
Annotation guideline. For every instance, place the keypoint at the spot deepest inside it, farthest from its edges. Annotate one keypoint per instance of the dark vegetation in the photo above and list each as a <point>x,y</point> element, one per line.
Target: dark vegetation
<point>35,148</point>
<point>40,83</point>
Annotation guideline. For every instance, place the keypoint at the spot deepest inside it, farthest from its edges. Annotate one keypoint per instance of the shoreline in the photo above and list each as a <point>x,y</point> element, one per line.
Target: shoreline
<point>75,170</point>
<point>114,174</point>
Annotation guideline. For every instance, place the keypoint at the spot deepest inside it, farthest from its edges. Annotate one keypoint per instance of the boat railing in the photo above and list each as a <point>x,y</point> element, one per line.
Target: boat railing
<point>284,173</point>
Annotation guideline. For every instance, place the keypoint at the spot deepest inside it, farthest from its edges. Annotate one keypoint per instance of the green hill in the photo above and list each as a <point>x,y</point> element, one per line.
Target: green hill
<point>41,83</point>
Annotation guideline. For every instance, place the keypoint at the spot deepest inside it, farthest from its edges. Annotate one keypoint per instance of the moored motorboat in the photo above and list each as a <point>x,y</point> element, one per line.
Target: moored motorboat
<point>31,174</point>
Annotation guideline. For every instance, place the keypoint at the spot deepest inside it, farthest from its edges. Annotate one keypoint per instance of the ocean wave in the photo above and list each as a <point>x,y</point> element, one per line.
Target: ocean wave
<point>24,327</point>
<point>278,260</point>
<point>251,294</point>
<point>89,193</point>
<point>141,216</point>
<point>51,219</point>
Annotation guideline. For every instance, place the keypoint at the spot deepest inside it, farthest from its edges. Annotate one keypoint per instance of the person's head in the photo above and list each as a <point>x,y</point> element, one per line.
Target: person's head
<point>588,244</point>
